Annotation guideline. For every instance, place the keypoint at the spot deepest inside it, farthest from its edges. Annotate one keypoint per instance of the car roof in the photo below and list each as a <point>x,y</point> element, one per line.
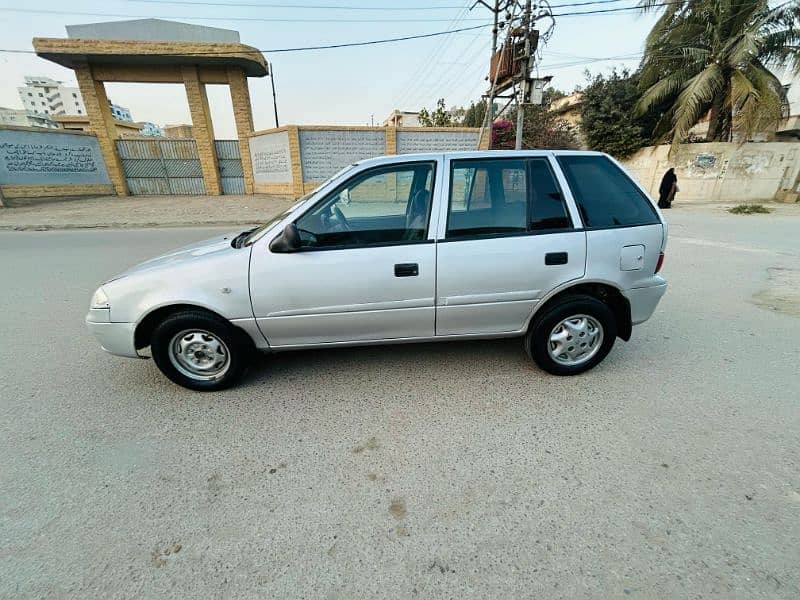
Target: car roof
<point>466,154</point>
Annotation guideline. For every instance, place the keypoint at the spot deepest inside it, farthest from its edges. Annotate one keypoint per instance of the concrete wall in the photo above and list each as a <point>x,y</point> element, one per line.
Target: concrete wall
<point>295,159</point>
<point>37,163</point>
<point>723,172</point>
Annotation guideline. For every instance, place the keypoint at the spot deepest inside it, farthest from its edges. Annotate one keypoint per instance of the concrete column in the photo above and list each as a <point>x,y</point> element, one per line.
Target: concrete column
<point>391,140</point>
<point>243,115</point>
<point>202,129</point>
<point>298,189</point>
<point>101,122</point>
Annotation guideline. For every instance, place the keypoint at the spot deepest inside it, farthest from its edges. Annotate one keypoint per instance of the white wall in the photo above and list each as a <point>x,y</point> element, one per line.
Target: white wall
<point>721,171</point>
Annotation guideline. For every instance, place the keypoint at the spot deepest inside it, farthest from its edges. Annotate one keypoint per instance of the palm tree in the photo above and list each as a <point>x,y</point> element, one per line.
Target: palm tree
<point>711,56</point>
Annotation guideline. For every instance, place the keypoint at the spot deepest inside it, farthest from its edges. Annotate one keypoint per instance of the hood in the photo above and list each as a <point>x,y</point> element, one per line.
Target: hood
<point>188,254</point>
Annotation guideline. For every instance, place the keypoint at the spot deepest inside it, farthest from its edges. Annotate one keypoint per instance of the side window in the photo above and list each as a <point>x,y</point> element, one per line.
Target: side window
<point>606,197</point>
<point>383,205</point>
<point>487,196</point>
<point>548,211</point>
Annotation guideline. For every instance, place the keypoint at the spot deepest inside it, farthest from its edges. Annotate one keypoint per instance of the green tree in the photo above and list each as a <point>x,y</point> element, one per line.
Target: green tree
<point>438,118</point>
<point>608,121</point>
<point>541,129</point>
<point>709,57</point>
<point>475,114</point>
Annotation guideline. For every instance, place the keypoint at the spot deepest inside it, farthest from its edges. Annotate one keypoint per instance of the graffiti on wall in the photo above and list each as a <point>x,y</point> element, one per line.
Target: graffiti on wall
<point>270,156</point>
<point>47,158</point>
<point>324,153</point>
<point>409,142</point>
<point>50,158</point>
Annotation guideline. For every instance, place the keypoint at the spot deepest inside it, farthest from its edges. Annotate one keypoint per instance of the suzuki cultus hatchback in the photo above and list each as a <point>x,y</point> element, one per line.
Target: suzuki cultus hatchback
<point>562,249</point>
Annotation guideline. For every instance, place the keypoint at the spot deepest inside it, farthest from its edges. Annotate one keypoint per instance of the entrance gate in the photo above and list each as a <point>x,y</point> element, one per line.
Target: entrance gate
<point>161,167</point>
<point>229,158</point>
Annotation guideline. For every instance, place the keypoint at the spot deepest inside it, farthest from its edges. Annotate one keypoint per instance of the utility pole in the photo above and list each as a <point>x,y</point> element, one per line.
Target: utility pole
<point>527,62</point>
<point>490,107</point>
<point>274,100</point>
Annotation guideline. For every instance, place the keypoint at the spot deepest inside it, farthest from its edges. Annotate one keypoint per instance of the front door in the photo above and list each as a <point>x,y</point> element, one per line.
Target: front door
<point>508,240</point>
<point>366,269</point>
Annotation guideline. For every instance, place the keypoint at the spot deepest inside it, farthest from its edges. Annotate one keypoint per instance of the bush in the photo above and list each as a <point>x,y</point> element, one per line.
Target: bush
<point>749,209</point>
<point>607,114</point>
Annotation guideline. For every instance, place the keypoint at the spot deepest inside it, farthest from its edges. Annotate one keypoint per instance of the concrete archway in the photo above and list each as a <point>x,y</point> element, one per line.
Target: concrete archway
<point>158,51</point>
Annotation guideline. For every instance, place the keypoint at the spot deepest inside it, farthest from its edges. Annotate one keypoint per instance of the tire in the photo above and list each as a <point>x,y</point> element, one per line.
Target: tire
<point>200,351</point>
<point>585,329</point>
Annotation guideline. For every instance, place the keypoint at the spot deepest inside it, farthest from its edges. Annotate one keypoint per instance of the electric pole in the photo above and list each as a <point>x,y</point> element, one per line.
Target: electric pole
<point>274,100</point>
<point>490,107</point>
<point>527,62</point>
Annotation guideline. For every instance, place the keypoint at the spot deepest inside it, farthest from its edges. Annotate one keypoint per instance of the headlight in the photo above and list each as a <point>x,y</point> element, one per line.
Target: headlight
<point>100,300</point>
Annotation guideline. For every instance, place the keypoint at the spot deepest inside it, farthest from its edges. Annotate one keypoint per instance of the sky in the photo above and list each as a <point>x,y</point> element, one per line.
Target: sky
<point>347,86</point>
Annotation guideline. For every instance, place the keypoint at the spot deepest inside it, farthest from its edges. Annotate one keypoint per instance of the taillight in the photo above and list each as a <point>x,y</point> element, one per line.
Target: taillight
<point>660,262</point>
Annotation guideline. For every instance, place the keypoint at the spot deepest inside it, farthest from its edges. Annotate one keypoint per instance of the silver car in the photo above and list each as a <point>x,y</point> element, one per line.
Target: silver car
<point>562,249</point>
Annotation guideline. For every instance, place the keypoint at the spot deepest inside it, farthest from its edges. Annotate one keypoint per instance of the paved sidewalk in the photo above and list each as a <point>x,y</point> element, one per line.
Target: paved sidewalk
<point>139,211</point>
<point>135,212</point>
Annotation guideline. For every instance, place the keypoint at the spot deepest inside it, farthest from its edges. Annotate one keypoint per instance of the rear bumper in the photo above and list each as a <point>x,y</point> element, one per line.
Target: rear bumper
<point>114,338</point>
<point>644,300</point>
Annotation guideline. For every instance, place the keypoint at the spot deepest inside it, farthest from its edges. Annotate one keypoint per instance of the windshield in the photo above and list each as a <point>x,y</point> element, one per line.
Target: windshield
<point>258,231</point>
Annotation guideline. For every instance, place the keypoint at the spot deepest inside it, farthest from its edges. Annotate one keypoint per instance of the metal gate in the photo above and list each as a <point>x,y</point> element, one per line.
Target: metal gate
<point>231,175</point>
<point>162,167</point>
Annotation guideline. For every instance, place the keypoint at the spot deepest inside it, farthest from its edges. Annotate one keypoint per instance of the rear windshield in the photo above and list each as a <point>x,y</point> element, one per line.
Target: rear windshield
<point>605,195</point>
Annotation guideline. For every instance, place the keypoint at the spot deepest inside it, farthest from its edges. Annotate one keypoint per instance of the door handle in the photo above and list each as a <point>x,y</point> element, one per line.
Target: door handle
<point>556,258</point>
<point>406,270</point>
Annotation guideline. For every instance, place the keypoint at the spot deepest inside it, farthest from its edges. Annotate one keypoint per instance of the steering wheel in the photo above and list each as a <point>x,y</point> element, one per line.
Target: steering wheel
<point>341,218</point>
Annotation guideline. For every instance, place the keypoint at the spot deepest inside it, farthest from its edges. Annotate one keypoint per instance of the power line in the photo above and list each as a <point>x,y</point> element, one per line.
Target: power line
<point>425,67</point>
<point>303,6</point>
<point>196,18</point>
<point>326,20</point>
<point>341,7</point>
<point>608,10</point>
<point>302,48</point>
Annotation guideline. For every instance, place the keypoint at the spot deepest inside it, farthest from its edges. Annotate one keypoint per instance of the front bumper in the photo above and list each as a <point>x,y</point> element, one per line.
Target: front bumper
<point>644,301</point>
<point>114,338</point>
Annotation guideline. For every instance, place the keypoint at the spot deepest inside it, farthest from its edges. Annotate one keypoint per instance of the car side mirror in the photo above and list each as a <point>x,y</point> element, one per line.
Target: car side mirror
<point>287,241</point>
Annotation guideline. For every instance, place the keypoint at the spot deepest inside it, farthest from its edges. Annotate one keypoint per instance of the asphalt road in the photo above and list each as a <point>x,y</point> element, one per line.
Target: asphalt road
<point>437,470</point>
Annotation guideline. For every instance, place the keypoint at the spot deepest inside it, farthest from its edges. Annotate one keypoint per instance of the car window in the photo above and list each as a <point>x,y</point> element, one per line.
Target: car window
<point>382,205</point>
<point>605,195</point>
<point>498,196</point>
<point>548,211</point>
<point>486,197</point>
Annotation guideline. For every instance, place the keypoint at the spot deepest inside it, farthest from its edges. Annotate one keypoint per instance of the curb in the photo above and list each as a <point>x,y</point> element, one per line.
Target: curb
<point>69,226</point>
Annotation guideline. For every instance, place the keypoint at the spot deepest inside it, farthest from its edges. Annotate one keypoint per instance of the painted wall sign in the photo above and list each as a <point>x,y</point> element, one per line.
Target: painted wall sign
<point>33,158</point>
<point>409,142</point>
<point>270,155</point>
<point>705,161</point>
<point>324,153</point>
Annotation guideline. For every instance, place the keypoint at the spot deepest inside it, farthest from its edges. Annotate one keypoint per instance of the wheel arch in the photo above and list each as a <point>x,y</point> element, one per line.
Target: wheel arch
<point>147,324</point>
<point>604,291</point>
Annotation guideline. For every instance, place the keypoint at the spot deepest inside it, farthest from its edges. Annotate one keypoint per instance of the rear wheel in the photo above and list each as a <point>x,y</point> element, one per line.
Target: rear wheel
<point>199,350</point>
<point>572,336</point>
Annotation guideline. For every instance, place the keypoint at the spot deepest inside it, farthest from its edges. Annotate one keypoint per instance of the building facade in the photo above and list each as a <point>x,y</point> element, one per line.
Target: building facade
<point>151,130</point>
<point>402,118</point>
<point>45,97</point>
<point>22,118</point>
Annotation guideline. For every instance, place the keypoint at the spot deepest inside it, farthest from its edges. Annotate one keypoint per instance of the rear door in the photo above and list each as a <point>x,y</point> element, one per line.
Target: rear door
<point>624,233</point>
<point>507,239</point>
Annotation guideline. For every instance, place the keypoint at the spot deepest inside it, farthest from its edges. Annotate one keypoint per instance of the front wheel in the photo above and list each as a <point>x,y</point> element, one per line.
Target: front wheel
<point>572,336</point>
<point>199,351</point>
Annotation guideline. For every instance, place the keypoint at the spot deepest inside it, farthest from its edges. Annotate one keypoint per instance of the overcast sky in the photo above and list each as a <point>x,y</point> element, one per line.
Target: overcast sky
<point>348,86</point>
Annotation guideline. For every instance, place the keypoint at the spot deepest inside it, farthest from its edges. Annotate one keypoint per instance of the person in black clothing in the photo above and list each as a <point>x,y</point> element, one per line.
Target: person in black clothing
<point>667,189</point>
